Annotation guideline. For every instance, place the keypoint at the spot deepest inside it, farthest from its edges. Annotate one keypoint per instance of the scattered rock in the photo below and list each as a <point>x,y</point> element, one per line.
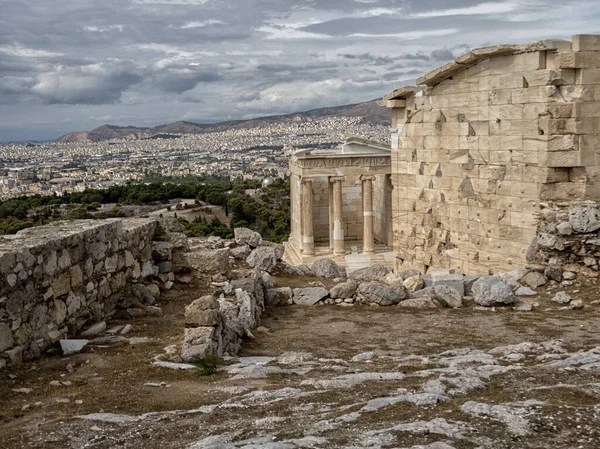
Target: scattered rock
<point>419,303</point>
<point>203,311</point>
<point>128,328</point>
<point>533,279</point>
<point>384,295</point>
<point>488,291</point>
<point>344,289</point>
<point>72,346</point>
<point>281,296</point>
<point>396,279</point>
<point>263,258</point>
<point>455,281</point>
<point>447,296</point>
<point>523,308</point>
<point>371,273</point>
<point>413,283</point>
<point>363,357</point>
<point>327,268</point>
<point>309,296</point>
<point>576,304</point>
<point>561,298</point>
<point>110,340</point>
<point>245,236</point>
<point>525,291</point>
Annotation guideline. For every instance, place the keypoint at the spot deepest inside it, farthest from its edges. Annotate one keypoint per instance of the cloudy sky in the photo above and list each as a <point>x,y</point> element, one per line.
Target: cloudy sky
<point>71,65</point>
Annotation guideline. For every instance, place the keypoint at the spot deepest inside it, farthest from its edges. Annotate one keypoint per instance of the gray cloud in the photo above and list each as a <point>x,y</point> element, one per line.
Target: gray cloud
<point>64,63</point>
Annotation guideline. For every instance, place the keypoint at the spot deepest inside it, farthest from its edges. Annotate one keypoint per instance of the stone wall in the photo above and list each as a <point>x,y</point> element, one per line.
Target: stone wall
<point>486,140</point>
<point>56,279</point>
<point>569,236</point>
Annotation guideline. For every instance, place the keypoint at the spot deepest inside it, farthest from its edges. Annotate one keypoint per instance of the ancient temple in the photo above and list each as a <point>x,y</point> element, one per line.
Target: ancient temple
<point>341,205</point>
<point>479,149</point>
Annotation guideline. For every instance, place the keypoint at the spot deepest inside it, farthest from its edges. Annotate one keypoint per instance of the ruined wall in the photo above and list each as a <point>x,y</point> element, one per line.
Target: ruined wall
<point>56,279</point>
<point>569,236</point>
<point>494,134</point>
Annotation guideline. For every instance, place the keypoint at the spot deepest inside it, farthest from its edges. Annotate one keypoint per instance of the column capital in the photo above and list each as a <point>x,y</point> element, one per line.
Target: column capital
<point>337,178</point>
<point>367,177</point>
<point>307,179</point>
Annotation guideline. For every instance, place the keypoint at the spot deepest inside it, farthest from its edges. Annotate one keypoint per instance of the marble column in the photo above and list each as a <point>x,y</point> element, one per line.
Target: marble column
<point>389,187</point>
<point>308,237</point>
<point>367,189</point>
<point>330,189</point>
<point>338,225</point>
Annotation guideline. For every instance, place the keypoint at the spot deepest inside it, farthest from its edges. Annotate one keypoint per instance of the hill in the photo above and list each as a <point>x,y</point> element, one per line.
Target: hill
<point>369,111</point>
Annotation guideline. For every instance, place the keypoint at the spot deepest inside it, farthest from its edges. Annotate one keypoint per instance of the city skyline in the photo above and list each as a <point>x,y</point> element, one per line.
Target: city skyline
<point>67,66</point>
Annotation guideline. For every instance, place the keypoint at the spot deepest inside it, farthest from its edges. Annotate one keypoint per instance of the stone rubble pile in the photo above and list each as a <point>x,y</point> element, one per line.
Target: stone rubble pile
<point>375,285</point>
<point>570,237</point>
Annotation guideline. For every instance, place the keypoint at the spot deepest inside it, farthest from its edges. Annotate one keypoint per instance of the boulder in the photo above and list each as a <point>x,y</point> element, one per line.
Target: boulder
<point>203,311</point>
<point>263,258</point>
<point>327,268</point>
<point>198,342</point>
<point>447,296</point>
<point>492,290</point>
<point>533,279</point>
<point>309,296</point>
<point>368,274</point>
<point>241,252</point>
<point>394,279</point>
<point>344,290</point>
<point>245,236</point>
<point>455,281</point>
<point>72,346</point>
<point>277,247</point>
<point>281,296</point>
<point>585,219</point>
<point>209,261</point>
<point>413,283</point>
<point>384,295</point>
<point>95,330</point>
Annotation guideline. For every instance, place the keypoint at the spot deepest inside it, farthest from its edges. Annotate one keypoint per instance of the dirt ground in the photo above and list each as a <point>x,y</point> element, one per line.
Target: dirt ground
<point>299,349</point>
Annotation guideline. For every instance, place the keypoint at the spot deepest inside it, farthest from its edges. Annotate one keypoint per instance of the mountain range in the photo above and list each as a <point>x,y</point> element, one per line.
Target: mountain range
<point>368,111</point>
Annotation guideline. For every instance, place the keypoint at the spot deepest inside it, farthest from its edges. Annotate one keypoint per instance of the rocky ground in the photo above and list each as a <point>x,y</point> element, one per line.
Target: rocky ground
<point>327,376</point>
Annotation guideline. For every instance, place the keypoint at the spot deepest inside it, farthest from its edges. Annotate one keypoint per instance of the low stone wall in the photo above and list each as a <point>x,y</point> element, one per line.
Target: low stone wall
<point>59,278</point>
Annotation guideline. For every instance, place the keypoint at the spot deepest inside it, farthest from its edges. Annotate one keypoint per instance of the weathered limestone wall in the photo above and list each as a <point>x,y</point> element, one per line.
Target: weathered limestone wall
<point>56,279</point>
<point>491,136</point>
